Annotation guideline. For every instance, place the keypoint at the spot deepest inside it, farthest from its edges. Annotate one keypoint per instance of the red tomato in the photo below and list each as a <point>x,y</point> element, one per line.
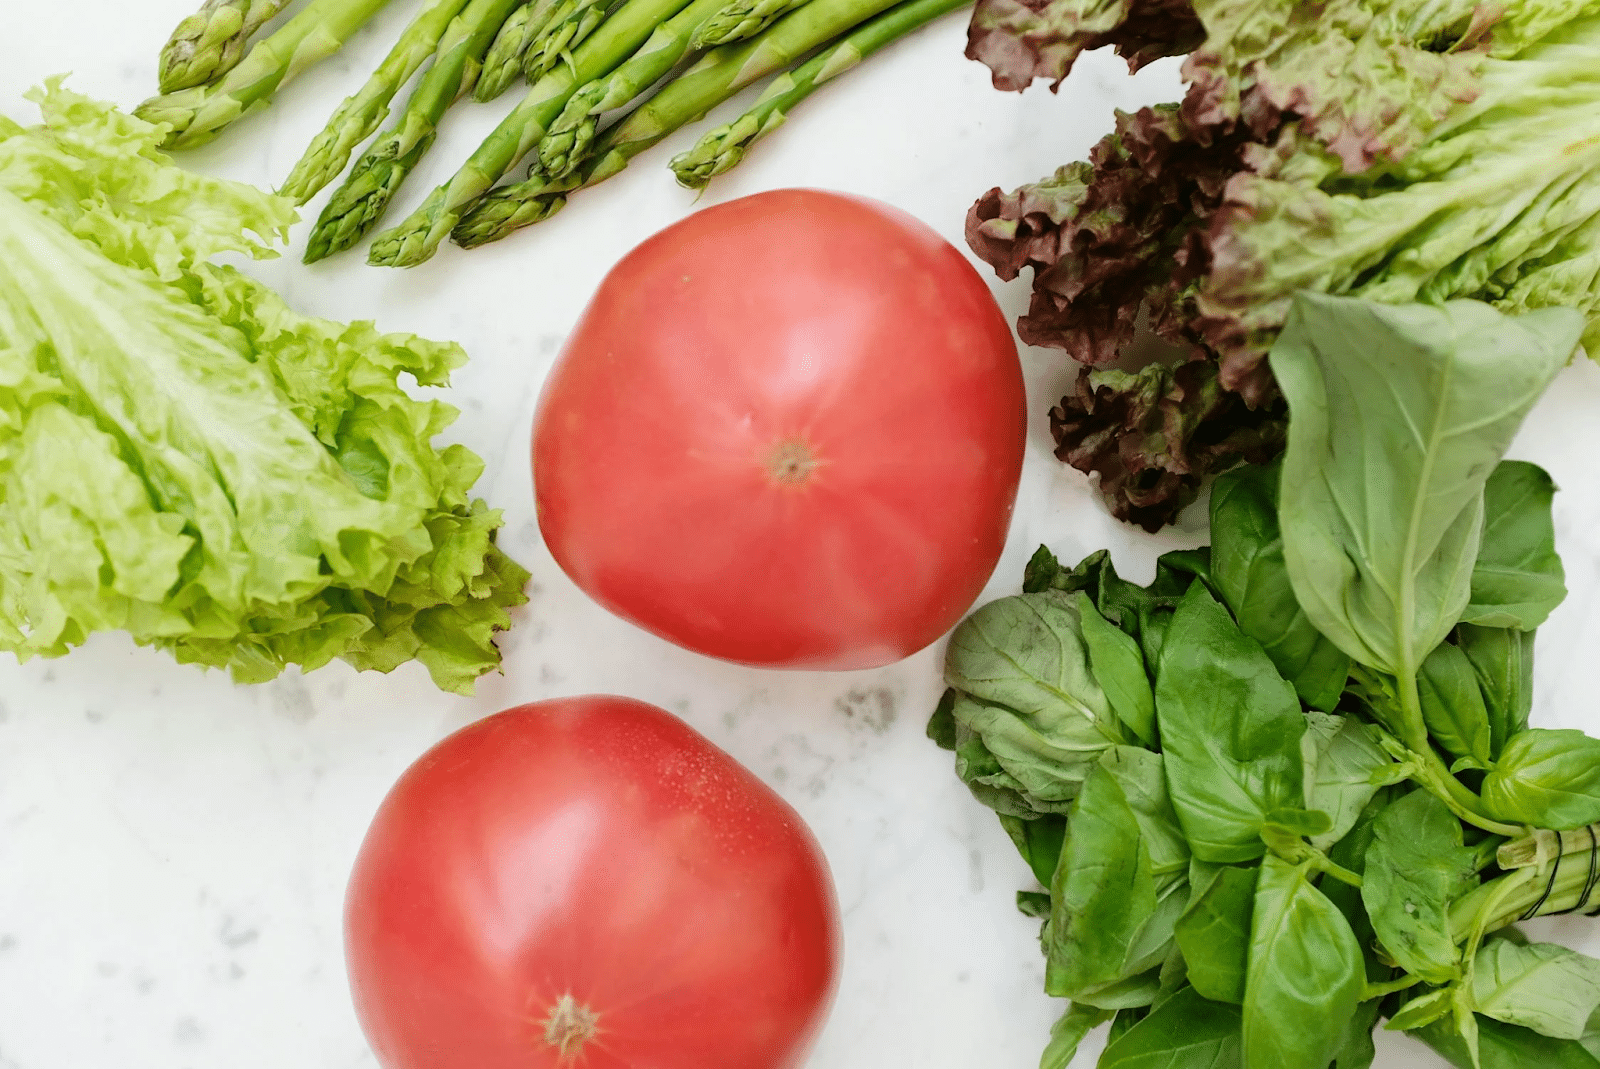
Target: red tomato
<point>588,883</point>
<point>787,431</point>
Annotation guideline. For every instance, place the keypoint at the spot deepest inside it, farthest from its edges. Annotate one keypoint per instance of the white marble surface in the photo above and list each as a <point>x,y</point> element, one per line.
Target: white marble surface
<point>173,848</point>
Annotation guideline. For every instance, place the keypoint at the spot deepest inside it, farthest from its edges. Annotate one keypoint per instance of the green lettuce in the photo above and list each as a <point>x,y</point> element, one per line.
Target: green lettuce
<point>185,458</point>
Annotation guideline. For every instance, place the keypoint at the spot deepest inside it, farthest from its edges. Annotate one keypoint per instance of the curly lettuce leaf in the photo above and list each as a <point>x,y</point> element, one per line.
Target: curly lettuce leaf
<point>1022,40</point>
<point>1401,153</point>
<point>1501,204</point>
<point>1155,434</point>
<point>184,457</point>
<point>1110,237</point>
<point>1368,80</point>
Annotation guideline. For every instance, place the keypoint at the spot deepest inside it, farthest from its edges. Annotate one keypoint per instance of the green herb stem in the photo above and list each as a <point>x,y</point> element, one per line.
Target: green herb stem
<point>1403,982</point>
<point>1522,893</point>
<point>1338,872</point>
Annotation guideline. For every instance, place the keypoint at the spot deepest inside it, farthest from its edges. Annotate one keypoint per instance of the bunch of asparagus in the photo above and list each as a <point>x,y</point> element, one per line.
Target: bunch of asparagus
<point>668,62</point>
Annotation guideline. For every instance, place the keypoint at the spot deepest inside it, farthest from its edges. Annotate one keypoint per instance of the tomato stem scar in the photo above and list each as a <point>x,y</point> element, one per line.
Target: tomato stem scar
<point>791,462</point>
<point>570,1025</point>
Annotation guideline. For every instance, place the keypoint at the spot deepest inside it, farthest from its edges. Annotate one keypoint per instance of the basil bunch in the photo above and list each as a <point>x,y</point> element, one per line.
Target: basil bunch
<point>1289,788</point>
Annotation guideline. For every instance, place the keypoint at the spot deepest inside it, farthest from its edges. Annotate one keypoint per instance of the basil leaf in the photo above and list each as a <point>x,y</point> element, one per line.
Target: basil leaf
<point>1356,1049</point>
<point>1143,780</point>
<point>1541,986</point>
<point>1517,579</point>
<point>1141,612</point>
<point>1230,731</point>
<point>1422,1011</point>
<point>1399,413</point>
<point>1185,1032</point>
<point>1024,687</point>
<point>1124,1021</point>
<point>1350,852</point>
<point>1068,1032</point>
<point>1248,567</point>
<point>1134,992</point>
<point>1453,706</point>
<point>1118,666</point>
<point>1502,659</point>
<point>1416,866</point>
<point>1305,976</point>
<point>1111,918</point>
<point>1214,933</point>
<point>1343,770</point>
<point>1504,1046</point>
<point>1027,653</point>
<point>1548,777</point>
<point>1038,841</point>
<point>997,788</point>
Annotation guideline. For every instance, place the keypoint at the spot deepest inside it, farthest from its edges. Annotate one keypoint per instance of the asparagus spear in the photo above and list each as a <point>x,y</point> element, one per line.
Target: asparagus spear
<point>739,20</point>
<point>418,237</point>
<point>719,75</point>
<point>210,43</point>
<point>724,147</point>
<point>198,113</point>
<point>570,25</point>
<point>360,114</point>
<point>358,203</point>
<point>566,143</point>
<point>503,64</point>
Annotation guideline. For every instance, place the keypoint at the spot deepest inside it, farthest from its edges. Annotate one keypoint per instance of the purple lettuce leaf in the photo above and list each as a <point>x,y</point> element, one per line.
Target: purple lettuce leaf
<point>1022,40</point>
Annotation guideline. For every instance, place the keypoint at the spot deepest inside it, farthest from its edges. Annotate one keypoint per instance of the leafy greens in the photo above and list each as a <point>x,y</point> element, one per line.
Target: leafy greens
<point>185,458</point>
<point>1287,858</point>
<point>1404,152</point>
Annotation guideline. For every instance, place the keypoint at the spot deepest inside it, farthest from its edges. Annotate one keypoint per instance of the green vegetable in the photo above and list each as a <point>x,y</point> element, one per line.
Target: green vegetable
<point>502,64</point>
<point>1230,732</point>
<point>416,238</point>
<point>1247,563</point>
<point>571,23</point>
<point>1415,867</point>
<point>361,113</point>
<point>1548,778</point>
<point>1452,705</point>
<point>1214,932</point>
<point>210,43</point>
<point>1541,986</point>
<point>1344,767</point>
<point>718,75</point>
<point>1069,1032</point>
<point>1024,686</point>
<point>1396,152</point>
<point>1503,1046</point>
<point>567,142</point>
<point>721,149</point>
<point>1502,659</point>
<point>735,20</point>
<point>185,458</point>
<point>198,114</point>
<point>1185,1032</point>
<point>359,203</point>
<point>1517,578</point>
<point>1316,870</point>
<point>1119,667</point>
<point>1305,968</point>
<point>1399,411</point>
<point>1038,841</point>
<point>1112,910</point>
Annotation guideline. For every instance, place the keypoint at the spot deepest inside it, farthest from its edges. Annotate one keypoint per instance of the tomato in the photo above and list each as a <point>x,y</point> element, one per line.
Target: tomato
<point>588,882</point>
<point>787,431</point>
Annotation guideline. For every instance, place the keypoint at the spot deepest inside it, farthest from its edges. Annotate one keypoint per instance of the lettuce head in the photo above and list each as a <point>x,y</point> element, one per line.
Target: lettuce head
<point>185,458</point>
